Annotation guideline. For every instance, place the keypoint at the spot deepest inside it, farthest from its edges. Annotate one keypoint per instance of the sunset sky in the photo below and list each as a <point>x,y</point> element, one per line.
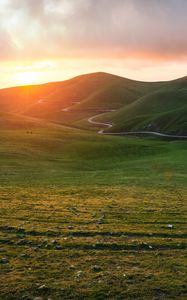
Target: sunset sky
<point>49,40</point>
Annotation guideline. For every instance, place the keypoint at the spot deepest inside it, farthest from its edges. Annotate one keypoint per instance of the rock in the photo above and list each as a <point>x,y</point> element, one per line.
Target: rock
<point>79,273</point>
<point>70,227</point>
<point>42,287</point>
<point>23,255</point>
<point>58,247</point>
<point>96,268</point>
<point>53,242</point>
<point>99,222</point>
<point>35,248</point>
<point>72,267</point>
<point>4,260</point>
<point>170,226</point>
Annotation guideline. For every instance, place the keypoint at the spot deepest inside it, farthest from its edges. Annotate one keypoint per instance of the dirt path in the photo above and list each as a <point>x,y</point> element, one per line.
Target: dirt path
<point>109,125</point>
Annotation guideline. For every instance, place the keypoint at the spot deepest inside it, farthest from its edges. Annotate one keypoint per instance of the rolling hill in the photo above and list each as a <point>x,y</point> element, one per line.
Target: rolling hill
<point>129,105</point>
<point>163,111</point>
<point>82,213</point>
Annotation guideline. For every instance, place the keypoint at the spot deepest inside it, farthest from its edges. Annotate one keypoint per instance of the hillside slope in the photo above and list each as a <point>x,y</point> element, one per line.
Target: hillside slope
<point>96,91</point>
<point>128,104</point>
<point>163,110</point>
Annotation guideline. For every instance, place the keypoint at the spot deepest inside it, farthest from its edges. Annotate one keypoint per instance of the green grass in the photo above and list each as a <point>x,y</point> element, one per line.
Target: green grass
<point>93,243</point>
<point>56,154</point>
<point>156,106</point>
<point>85,216</point>
<point>163,110</point>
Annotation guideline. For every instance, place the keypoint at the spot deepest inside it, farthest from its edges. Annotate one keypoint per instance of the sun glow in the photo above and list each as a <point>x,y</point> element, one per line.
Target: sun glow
<point>28,77</point>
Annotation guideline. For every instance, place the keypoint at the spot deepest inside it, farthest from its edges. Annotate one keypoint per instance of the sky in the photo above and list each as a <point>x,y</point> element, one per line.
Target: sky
<point>53,40</point>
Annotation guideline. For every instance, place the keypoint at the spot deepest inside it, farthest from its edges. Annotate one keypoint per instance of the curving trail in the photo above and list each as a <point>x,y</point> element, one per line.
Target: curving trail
<point>109,125</point>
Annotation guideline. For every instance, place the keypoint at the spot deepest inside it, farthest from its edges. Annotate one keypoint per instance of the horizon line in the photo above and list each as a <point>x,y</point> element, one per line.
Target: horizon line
<point>91,73</point>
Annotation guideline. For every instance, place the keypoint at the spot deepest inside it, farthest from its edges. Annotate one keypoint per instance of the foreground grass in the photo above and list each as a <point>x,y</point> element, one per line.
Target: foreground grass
<point>93,243</point>
<point>89,217</point>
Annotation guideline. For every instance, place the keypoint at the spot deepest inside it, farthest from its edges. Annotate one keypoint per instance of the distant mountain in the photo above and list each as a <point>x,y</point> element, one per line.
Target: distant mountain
<point>133,105</point>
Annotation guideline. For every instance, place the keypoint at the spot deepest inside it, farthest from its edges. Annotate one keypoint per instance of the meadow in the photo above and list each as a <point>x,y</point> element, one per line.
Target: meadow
<point>85,216</point>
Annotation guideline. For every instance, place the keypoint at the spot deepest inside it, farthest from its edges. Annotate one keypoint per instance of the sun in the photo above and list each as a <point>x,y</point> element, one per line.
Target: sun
<point>27,77</point>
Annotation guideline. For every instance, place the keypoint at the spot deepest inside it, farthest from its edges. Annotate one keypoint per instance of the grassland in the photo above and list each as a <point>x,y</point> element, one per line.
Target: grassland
<point>152,106</point>
<point>163,111</point>
<point>93,243</point>
<point>90,217</point>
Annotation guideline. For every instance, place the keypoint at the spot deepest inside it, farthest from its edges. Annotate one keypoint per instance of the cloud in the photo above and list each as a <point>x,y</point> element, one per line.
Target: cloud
<point>145,29</point>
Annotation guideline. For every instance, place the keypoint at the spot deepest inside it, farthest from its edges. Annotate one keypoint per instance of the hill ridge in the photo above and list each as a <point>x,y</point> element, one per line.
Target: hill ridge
<point>138,105</point>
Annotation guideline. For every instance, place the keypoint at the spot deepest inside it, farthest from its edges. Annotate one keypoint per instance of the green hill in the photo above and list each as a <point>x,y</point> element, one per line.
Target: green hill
<point>89,216</point>
<point>134,105</point>
<point>163,110</point>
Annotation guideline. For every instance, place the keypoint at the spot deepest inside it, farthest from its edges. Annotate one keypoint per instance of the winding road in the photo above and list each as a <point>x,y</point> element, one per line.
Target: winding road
<point>109,125</point>
<point>136,133</point>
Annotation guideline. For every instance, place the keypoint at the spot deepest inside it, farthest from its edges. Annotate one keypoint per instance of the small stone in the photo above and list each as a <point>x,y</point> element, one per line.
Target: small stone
<point>58,247</point>
<point>79,273</point>
<point>99,222</point>
<point>42,287</point>
<point>72,267</point>
<point>170,226</point>
<point>70,227</point>
<point>35,248</point>
<point>150,247</point>
<point>96,268</point>
<point>23,255</point>
<point>4,260</point>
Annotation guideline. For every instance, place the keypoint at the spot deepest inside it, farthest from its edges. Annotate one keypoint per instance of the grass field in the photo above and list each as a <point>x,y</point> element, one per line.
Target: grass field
<point>136,105</point>
<point>90,217</point>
